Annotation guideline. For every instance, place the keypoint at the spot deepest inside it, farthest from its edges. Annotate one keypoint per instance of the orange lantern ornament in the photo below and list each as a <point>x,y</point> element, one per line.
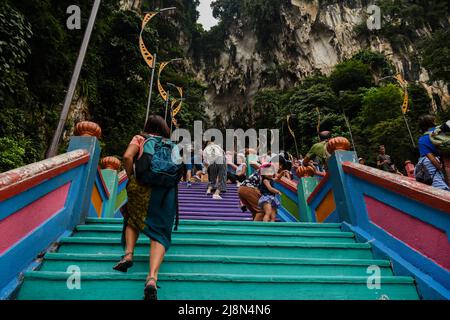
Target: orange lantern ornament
<point>111,163</point>
<point>308,171</point>
<point>88,129</point>
<point>338,143</point>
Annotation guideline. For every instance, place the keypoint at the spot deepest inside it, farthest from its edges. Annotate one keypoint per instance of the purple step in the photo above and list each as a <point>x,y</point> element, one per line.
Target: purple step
<point>213,203</point>
<point>203,193</point>
<point>208,199</point>
<point>210,209</point>
<point>213,218</point>
<point>203,190</point>
<point>217,214</point>
<point>196,205</point>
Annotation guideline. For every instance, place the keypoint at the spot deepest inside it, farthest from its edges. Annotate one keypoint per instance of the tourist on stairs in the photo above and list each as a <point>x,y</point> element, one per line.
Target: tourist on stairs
<point>429,169</point>
<point>237,169</point>
<point>249,194</point>
<point>215,161</point>
<point>149,210</point>
<point>268,201</point>
<point>194,169</point>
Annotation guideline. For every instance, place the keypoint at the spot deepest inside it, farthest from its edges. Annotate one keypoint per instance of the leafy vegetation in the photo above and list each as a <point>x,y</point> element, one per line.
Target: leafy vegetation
<point>372,108</point>
<point>37,60</point>
<point>436,55</point>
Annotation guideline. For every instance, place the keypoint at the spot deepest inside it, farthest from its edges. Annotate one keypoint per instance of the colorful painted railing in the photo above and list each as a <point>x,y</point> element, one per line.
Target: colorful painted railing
<point>41,202</point>
<point>289,211</point>
<point>295,195</point>
<point>44,201</point>
<point>405,221</point>
<point>109,194</point>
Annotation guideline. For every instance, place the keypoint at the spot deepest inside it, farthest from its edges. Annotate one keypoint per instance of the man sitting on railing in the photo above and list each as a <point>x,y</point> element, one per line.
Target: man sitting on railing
<point>318,151</point>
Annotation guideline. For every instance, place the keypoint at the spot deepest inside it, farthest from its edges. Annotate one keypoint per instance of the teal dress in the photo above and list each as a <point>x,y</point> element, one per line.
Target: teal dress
<point>151,211</point>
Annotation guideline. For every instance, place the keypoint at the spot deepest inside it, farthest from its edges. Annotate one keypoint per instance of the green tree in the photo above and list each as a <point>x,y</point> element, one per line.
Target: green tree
<point>350,75</point>
<point>380,104</point>
<point>436,55</point>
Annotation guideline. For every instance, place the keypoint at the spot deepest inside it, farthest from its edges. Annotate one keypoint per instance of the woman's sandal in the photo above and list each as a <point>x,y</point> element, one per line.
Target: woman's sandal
<point>151,291</point>
<point>124,264</point>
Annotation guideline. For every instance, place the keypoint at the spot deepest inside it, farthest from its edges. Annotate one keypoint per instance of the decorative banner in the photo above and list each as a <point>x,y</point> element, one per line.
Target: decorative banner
<point>148,57</point>
<point>174,121</point>
<point>404,85</point>
<point>318,121</point>
<point>289,126</point>
<point>405,106</point>
<point>400,80</point>
<point>162,92</point>
<point>178,108</point>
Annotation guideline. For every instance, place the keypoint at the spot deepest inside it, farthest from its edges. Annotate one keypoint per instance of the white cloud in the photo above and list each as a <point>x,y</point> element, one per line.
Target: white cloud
<point>206,17</point>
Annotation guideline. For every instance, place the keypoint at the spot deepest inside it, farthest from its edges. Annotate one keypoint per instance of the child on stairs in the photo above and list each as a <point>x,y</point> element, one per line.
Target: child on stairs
<point>268,202</point>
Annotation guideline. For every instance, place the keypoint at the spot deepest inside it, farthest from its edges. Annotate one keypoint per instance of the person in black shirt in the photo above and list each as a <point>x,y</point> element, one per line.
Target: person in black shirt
<point>268,201</point>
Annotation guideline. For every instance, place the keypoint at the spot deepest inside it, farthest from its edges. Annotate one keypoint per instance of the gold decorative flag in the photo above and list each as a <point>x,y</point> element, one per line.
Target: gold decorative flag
<point>148,57</point>
<point>318,120</point>
<point>289,126</point>
<point>174,121</point>
<point>404,85</point>
<point>162,92</point>
<point>178,108</point>
<point>405,106</point>
<point>400,80</point>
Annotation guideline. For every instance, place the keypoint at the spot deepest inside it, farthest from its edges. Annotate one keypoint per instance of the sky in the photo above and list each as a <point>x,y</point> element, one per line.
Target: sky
<point>206,17</point>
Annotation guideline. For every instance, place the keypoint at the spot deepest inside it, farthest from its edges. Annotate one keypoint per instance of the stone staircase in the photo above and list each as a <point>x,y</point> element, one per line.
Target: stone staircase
<point>213,257</point>
<point>196,205</point>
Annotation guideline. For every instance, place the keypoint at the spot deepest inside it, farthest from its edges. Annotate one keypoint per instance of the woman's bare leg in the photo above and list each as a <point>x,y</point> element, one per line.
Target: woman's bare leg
<point>267,212</point>
<point>131,236</point>
<point>274,215</point>
<point>259,217</point>
<point>157,252</point>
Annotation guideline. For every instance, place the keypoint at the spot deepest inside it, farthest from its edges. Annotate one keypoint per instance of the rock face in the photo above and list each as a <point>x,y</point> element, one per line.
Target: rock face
<point>312,37</point>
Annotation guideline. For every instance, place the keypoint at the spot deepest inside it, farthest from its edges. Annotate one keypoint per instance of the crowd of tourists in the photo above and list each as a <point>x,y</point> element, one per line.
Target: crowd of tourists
<point>153,194</point>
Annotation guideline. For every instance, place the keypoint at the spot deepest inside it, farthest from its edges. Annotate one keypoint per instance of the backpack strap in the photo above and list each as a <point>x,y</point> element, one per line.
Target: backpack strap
<point>177,219</point>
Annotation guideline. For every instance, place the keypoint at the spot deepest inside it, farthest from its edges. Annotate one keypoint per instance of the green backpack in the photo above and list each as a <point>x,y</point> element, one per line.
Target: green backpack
<point>440,140</point>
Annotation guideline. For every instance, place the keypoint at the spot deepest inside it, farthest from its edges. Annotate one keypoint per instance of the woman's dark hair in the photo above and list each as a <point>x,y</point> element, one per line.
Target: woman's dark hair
<point>426,122</point>
<point>324,135</point>
<point>157,126</point>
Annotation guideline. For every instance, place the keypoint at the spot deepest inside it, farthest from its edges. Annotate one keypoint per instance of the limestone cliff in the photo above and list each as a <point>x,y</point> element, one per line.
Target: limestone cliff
<point>313,36</point>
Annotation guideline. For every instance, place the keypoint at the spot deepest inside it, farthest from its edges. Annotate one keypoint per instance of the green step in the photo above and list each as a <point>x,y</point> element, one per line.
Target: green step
<point>250,234</point>
<point>225,248</point>
<point>219,265</point>
<point>111,286</point>
<point>235,224</point>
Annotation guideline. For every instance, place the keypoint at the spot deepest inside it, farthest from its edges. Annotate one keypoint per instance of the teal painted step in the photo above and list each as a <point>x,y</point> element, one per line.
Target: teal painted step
<point>236,225</point>
<point>250,234</point>
<point>219,265</point>
<point>225,248</point>
<point>53,285</point>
